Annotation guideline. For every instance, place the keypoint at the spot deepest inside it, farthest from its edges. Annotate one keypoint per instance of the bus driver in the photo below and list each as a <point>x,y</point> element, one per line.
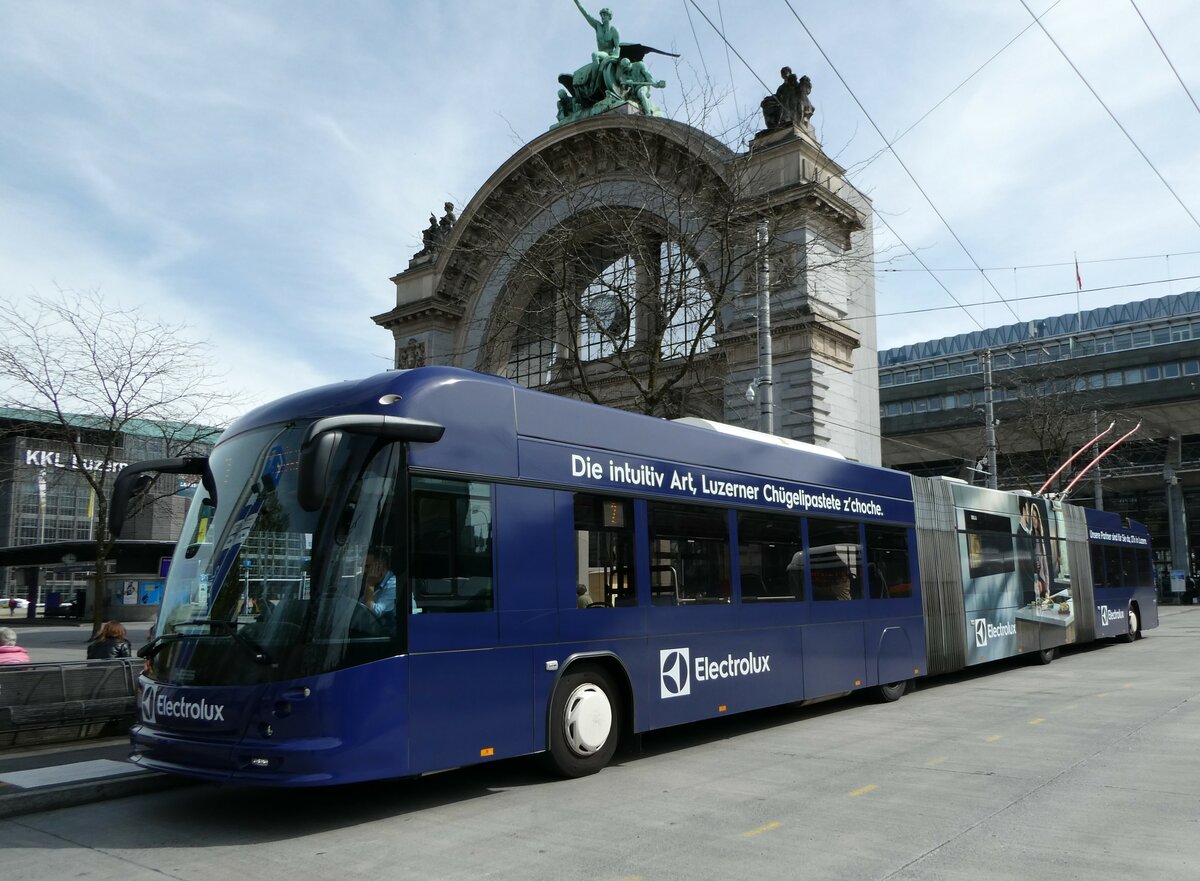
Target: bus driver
<point>379,590</point>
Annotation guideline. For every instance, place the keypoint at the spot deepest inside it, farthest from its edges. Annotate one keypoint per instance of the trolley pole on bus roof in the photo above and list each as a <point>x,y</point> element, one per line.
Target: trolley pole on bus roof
<point>765,391</point>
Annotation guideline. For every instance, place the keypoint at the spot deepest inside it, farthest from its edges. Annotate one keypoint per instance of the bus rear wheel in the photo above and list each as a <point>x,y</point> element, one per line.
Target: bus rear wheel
<point>1135,631</point>
<point>892,691</point>
<point>1045,656</point>
<point>585,721</point>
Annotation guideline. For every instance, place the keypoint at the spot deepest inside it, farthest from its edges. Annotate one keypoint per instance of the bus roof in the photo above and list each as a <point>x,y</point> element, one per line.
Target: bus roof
<point>760,436</point>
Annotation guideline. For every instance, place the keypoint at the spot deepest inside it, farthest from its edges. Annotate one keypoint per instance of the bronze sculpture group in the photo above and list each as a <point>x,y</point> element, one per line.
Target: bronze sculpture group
<point>615,76</point>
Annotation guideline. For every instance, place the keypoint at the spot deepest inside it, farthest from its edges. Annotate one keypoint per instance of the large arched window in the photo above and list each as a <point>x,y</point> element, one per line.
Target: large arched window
<point>625,305</point>
<point>686,303</point>
<point>534,349</point>
<point>607,309</point>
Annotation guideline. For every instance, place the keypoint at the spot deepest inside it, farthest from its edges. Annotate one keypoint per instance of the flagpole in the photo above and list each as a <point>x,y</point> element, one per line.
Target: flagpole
<point>1079,286</point>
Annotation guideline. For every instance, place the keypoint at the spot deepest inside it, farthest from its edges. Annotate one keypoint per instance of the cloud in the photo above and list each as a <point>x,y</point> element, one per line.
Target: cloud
<point>264,169</point>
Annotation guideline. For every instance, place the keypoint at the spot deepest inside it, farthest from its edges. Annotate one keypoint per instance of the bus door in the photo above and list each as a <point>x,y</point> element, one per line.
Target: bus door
<point>469,696</point>
<point>894,625</point>
<point>833,643</point>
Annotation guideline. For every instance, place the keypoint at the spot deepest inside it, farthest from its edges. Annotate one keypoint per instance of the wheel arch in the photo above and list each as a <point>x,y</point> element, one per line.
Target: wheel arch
<point>611,664</point>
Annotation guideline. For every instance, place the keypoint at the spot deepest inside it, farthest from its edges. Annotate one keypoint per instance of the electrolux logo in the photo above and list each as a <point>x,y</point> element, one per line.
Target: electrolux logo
<point>155,706</point>
<point>729,666</point>
<point>985,631</point>
<point>1107,614</point>
<point>980,632</point>
<point>674,678</point>
<point>147,705</point>
<point>676,673</point>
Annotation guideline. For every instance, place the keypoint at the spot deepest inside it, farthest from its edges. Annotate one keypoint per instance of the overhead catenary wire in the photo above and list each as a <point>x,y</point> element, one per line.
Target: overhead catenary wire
<point>1167,57</point>
<point>720,33</point>
<point>1001,299</point>
<point>1070,293</point>
<point>1112,115</point>
<point>901,162</point>
<point>1045,265</point>
<point>729,64</point>
<point>966,80</point>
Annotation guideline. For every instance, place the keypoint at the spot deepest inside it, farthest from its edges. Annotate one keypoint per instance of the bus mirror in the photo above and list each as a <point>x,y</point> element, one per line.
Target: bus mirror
<point>323,436</point>
<point>134,479</point>
<point>316,455</point>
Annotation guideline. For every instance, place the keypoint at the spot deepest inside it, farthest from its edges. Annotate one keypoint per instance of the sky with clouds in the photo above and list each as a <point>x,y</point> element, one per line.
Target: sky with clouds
<point>261,169</point>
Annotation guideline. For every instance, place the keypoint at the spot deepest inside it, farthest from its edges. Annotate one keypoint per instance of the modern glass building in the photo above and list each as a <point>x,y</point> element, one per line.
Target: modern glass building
<point>48,508</point>
<point>1056,383</point>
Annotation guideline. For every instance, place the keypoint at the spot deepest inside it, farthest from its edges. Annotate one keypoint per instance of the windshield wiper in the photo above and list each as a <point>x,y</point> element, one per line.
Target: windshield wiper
<point>259,653</point>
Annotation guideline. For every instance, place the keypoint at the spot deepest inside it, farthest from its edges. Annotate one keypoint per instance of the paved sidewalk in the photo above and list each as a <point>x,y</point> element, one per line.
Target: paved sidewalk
<point>60,775</point>
<point>63,775</point>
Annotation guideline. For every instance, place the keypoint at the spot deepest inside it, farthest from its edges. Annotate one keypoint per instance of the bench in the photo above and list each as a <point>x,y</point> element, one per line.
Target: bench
<point>56,702</point>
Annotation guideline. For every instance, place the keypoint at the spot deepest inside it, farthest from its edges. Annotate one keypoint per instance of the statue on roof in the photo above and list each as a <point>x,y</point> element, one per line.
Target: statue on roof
<point>616,76</point>
<point>790,105</point>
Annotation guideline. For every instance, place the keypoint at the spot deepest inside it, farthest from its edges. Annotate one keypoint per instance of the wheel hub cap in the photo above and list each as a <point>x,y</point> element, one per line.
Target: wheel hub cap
<point>588,718</point>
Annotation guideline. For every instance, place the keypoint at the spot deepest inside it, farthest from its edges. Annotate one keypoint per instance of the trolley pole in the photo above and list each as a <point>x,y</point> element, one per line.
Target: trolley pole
<point>765,391</point>
<point>989,417</point>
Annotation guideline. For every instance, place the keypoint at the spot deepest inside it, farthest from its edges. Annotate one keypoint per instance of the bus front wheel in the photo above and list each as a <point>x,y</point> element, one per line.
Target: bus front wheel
<point>585,718</point>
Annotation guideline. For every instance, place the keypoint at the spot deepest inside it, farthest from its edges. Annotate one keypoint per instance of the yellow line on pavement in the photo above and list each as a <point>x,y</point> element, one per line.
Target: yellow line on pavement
<point>1127,685</point>
<point>936,761</point>
<point>761,829</point>
<point>871,787</point>
<point>993,738</point>
<point>1037,721</point>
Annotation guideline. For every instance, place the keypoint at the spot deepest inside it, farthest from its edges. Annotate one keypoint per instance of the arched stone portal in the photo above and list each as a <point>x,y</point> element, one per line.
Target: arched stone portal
<point>614,259</point>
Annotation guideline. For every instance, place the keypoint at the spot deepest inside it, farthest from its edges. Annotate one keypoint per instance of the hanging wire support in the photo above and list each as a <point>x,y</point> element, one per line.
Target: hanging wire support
<point>1062,496</point>
<point>1062,467</point>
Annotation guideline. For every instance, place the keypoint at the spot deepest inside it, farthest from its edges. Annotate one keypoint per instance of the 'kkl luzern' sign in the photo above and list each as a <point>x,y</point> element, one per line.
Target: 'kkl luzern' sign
<point>54,459</point>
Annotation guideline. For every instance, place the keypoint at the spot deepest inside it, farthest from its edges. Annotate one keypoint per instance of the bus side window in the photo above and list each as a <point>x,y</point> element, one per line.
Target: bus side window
<point>451,557</point>
<point>833,560</point>
<point>1097,566</point>
<point>689,554</point>
<point>1112,566</point>
<point>887,563</point>
<point>604,570</point>
<point>771,558</point>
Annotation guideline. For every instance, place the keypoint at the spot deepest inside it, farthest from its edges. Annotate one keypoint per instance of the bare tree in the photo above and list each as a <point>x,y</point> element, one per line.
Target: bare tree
<point>90,374</point>
<point>1046,418</point>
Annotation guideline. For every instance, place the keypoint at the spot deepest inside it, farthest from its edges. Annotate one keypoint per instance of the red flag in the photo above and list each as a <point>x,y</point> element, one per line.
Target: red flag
<point>1078,277</point>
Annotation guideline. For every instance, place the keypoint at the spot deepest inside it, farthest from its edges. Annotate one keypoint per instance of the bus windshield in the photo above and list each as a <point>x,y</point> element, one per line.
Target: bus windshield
<point>260,589</point>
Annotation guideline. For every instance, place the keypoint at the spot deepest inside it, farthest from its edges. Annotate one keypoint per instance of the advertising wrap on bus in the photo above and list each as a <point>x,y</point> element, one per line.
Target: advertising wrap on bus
<point>431,568</point>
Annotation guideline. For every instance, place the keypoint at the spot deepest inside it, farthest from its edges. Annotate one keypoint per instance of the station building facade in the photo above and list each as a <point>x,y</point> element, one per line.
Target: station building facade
<point>48,508</point>
<point>1055,384</point>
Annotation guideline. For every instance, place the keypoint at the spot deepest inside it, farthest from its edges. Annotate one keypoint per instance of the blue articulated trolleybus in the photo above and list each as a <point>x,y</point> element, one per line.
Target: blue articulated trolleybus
<point>431,568</point>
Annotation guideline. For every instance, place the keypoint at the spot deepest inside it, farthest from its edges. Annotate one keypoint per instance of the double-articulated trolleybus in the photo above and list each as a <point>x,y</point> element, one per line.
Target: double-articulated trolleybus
<point>431,568</point>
